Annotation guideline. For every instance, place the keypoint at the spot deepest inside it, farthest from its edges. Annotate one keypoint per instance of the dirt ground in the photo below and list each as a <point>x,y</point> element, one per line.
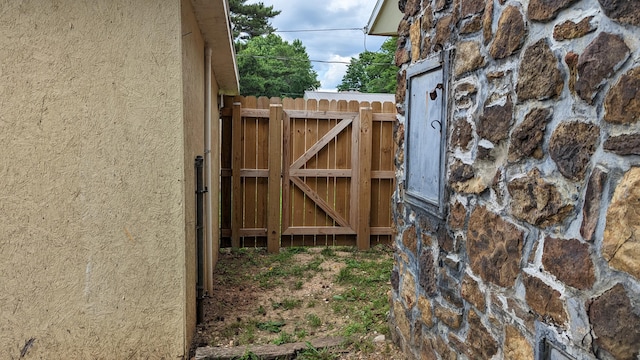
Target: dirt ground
<point>258,299</point>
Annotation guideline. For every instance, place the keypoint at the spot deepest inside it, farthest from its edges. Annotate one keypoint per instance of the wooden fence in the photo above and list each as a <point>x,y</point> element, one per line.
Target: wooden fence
<point>306,173</point>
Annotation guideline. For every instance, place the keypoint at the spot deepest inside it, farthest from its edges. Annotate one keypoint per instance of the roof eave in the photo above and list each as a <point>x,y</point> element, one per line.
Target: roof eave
<point>213,19</point>
<point>384,19</point>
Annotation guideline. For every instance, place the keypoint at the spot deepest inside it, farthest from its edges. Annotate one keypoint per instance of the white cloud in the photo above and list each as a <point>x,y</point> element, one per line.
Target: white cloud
<point>334,72</point>
<point>344,5</point>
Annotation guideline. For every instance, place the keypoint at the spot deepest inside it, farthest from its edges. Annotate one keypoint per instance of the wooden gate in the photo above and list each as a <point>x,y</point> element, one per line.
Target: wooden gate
<point>306,173</point>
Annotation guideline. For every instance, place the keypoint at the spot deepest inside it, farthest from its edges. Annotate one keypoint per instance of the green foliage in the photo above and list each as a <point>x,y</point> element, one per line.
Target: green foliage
<point>270,66</point>
<point>314,320</point>
<point>271,326</point>
<point>248,355</point>
<point>287,304</point>
<point>251,20</point>
<point>311,353</point>
<point>284,338</point>
<point>328,252</point>
<point>372,72</point>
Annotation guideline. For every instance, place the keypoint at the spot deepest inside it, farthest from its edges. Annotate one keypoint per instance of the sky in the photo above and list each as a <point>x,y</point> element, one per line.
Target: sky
<point>326,45</point>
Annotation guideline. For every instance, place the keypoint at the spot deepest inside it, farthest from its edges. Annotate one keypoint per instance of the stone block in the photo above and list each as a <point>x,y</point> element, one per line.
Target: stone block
<point>468,57</point>
<point>526,139</point>
<point>571,146</point>
<point>426,314</point>
<point>592,201</point>
<point>571,59</point>
<point>571,30</point>
<point>395,280</point>
<point>410,240</point>
<point>427,279</point>
<point>487,22</point>
<point>401,88</point>
<point>621,244</point>
<point>408,292</point>
<point>412,7</point>
<point>471,25</point>
<point>457,216</point>
<point>494,247</point>
<point>540,76</point>
<point>569,261</point>
<point>546,10</point>
<point>450,289</point>
<point>509,35</point>
<point>495,122</point>
<point>402,54</point>
<point>544,300</point>
<point>622,103</point>
<point>480,343</point>
<point>400,320</point>
<point>462,134</point>
<point>536,201</point>
<point>599,61</point>
<point>416,39</point>
<point>622,11</point>
<point>451,318</point>
<point>443,32</point>
<point>616,323</point>
<point>516,346</point>
<point>471,292</point>
<point>628,144</point>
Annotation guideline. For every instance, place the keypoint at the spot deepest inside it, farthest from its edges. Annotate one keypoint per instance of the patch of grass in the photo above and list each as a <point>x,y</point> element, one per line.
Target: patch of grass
<point>311,303</point>
<point>314,321</point>
<point>314,265</point>
<point>244,331</point>
<point>281,266</point>
<point>284,338</point>
<point>301,333</point>
<point>328,252</point>
<point>271,326</point>
<point>248,355</point>
<point>287,304</point>
<point>311,353</point>
<point>298,285</point>
<point>365,299</point>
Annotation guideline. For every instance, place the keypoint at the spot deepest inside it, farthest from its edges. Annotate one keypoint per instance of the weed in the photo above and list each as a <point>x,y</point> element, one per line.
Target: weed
<point>287,304</point>
<point>271,326</point>
<point>301,333</point>
<point>328,252</point>
<point>311,353</point>
<point>314,320</point>
<point>298,285</point>
<point>243,330</point>
<point>262,311</point>
<point>314,265</point>
<point>311,303</point>
<point>248,355</point>
<point>284,338</point>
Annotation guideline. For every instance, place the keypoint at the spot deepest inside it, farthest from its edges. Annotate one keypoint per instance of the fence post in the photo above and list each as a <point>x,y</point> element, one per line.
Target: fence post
<point>275,170</point>
<point>364,179</point>
<point>236,164</point>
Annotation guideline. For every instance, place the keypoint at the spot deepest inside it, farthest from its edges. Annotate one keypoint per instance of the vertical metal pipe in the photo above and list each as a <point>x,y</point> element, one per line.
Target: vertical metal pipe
<point>200,191</point>
<point>208,164</point>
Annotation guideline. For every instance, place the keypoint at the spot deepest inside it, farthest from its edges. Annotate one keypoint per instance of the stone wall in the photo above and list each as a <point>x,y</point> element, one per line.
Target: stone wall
<point>541,237</point>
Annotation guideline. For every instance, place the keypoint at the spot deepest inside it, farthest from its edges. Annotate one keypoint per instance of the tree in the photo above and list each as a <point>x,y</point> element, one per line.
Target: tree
<point>270,66</point>
<point>372,72</point>
<point>251,20</point>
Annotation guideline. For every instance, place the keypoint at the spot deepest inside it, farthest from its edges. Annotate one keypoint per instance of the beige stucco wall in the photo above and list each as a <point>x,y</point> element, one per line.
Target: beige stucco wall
<point>92,192</point>
<point>193,92</point>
